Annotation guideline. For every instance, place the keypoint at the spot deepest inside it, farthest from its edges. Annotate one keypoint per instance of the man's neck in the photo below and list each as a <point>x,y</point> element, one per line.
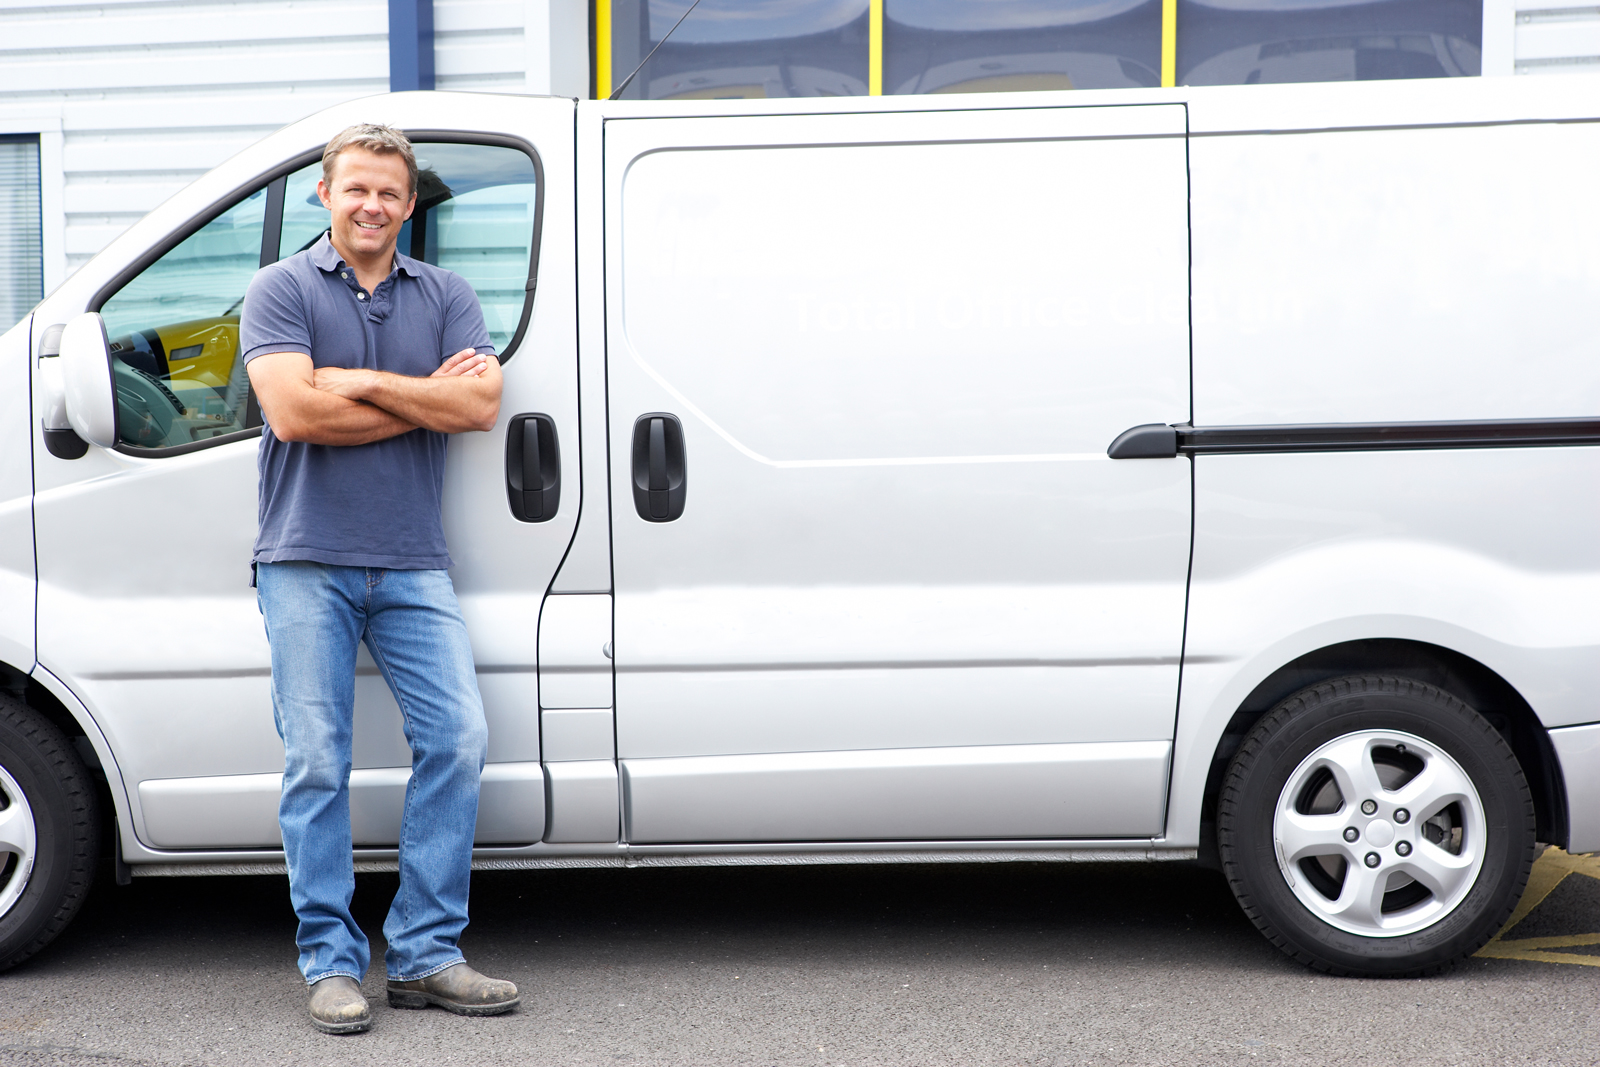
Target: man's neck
<point>370,270</point>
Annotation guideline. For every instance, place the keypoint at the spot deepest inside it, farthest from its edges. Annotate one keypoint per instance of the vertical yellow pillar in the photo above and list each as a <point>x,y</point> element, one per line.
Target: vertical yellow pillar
<point>875,48</point>
<point>1169,43</point>
<point>602,49</point>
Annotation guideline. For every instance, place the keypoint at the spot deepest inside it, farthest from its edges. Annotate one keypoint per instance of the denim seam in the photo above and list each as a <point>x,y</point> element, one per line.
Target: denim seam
<point>335,974</point>
<point>403,896</point>
<point>434,971</point>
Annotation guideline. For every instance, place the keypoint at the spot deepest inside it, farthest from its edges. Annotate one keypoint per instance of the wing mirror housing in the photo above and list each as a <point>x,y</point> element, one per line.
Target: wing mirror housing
<point>88,395</point>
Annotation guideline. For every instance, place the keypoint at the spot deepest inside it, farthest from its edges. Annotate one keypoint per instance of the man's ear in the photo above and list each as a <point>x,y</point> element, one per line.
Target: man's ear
<point>410,207</point>
<point>325,195</point>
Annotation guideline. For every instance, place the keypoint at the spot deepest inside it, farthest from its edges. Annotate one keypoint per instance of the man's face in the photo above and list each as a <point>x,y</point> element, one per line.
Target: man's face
<point>369,199</point>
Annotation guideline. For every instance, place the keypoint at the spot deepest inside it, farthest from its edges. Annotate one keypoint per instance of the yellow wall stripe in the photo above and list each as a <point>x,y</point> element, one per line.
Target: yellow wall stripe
<point>875,48</point>
<point>602,49</point>
<point>1169,43</point>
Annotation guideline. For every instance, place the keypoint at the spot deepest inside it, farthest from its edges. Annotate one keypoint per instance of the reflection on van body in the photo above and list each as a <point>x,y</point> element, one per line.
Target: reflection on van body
<point>1246,42</point>
<point>735,49</point>
<point>955,46</point>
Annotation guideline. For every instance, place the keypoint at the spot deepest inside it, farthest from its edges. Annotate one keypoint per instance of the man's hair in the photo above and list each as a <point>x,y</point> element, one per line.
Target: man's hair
<point>373,138</point>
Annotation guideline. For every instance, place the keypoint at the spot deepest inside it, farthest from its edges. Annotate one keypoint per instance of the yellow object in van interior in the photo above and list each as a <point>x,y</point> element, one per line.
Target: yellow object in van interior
<point>201,350</point>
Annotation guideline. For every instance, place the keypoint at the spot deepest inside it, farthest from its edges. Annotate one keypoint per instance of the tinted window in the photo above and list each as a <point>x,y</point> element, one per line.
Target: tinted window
<point>174,333</point>
<point>956,46</point>
<point>474,215</point>
<point>174,328</point>
<point>1246,42</point>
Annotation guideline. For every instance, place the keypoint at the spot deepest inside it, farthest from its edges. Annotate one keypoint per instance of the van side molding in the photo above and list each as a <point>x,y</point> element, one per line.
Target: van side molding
<point>1158,440</point>
<point>1381,437</point>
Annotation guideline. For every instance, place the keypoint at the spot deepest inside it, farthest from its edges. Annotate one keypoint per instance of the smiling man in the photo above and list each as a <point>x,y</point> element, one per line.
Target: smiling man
<point>363,361</point>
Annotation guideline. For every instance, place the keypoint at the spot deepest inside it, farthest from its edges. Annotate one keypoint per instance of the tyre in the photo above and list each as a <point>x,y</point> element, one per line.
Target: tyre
<point>49,832</point>
<point>1376,826</point>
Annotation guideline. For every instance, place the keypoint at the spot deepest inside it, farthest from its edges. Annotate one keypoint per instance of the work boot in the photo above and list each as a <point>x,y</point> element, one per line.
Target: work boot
<point>337,1006</point>
<point>459,989</point>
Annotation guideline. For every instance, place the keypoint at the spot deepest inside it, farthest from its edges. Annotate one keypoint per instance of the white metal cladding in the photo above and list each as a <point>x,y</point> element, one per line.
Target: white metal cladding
<point>151,95</point>
<point>1557,37</point>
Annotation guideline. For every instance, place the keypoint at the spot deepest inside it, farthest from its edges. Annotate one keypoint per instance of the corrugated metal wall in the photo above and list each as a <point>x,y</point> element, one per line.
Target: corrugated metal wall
<point>151,94</point>
<point>1558,37</point>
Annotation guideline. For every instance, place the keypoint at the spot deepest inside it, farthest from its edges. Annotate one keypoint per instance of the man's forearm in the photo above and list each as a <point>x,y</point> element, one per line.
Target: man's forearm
<point>447,405</point>
<point>334,420</point>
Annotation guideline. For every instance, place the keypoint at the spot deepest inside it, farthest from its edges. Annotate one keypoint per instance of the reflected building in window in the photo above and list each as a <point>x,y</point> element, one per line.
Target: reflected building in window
<point>982,46</point>
<point>741,49</point>
<point>731,49</point>
<point>1248,42</point>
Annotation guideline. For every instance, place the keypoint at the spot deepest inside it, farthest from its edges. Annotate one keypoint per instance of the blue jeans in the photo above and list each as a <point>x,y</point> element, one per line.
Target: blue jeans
<point>315,615</point>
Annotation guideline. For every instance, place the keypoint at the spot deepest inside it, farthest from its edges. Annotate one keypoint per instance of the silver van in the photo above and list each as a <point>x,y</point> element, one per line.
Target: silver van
<point>1197,474</point>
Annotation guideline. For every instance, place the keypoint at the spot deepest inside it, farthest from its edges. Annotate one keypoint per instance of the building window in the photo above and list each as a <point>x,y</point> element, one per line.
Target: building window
<point>1246,42</point>
<point>729,49</point>
<point>957,46</point>
<point>21,247</point>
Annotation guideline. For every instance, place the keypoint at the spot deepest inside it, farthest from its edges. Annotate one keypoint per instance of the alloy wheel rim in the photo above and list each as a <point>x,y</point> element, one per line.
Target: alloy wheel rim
<point>19,842</point>
<point>1379,833</point>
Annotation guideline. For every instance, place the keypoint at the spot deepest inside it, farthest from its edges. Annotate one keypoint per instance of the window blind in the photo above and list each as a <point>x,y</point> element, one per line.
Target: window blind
<point>21,250</point>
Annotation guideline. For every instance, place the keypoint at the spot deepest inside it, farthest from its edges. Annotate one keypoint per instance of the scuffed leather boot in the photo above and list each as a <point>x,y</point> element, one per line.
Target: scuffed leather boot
<point>337,1006</point>
<point>459,989</point>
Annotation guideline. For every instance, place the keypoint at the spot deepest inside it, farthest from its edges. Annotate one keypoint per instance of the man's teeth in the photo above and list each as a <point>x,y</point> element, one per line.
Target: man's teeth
<point>369,225</point>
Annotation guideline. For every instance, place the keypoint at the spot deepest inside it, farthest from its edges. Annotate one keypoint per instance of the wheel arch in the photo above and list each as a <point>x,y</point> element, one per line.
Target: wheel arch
<point>26,688</point>
<point>87,740</point>
<point>1481,687</point>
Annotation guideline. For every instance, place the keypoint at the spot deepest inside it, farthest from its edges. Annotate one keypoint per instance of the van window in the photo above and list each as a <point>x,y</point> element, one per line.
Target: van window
<point>474,215</point>
<point>174,328</point>
<point>174,332</point>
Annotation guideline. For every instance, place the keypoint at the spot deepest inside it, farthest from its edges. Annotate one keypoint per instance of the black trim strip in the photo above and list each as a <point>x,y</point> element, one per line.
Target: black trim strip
<point>1386,437</point>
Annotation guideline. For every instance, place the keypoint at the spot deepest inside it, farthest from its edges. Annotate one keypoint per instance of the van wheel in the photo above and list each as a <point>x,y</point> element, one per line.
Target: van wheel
<point>1376,826</point>
<point>49,832</point>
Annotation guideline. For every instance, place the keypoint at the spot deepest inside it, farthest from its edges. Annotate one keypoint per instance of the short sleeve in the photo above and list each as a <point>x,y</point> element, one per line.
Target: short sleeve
<point>274,318</point>
<point>463,320</point>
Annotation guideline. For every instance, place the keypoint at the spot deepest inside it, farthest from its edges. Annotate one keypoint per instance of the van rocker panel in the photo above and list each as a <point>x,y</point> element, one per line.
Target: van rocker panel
<point>241,810</point>
<point>1104,790</point>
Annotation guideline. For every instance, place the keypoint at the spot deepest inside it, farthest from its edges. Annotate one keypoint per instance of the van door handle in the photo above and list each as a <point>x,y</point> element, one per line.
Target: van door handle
<point>533,468</point>
<point>660,477</point>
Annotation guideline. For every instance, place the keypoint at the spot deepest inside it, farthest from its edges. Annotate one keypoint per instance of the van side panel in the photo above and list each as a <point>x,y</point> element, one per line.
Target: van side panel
<point>1396,275</point>
<point>1490,552</point>
<point>17,577</point>
<point>1382,276</point>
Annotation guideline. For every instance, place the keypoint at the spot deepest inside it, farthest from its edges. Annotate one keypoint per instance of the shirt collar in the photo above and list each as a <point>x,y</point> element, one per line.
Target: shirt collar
<point>326,257</point>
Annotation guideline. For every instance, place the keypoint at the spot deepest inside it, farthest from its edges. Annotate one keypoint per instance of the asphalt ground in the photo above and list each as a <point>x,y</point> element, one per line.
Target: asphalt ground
<point>1037,964</point>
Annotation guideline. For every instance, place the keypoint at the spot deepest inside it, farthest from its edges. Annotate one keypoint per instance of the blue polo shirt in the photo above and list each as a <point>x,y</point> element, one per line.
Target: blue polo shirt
<point>373,505</point>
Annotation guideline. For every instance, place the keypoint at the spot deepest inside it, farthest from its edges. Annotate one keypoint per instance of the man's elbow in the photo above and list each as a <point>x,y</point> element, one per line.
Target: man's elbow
<point>288,430</point>
<point>487,416</point>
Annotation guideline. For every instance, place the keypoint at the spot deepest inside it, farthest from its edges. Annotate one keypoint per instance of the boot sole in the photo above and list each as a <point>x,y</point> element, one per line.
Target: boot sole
<point>342,1028</point>
<point>412,999</point>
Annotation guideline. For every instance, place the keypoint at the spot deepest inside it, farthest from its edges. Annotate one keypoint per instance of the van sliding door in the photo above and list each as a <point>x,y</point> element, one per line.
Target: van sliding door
<point>876,360</point>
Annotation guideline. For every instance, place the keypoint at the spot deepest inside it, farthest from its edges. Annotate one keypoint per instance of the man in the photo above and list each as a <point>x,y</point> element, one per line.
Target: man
<point>348,346</point>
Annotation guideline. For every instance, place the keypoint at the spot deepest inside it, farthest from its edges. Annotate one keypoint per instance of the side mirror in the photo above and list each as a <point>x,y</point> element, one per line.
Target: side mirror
<point>87,385</point>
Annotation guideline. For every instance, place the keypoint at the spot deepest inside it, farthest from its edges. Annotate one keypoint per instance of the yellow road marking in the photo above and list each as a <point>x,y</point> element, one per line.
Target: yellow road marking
<point>1549,871</point>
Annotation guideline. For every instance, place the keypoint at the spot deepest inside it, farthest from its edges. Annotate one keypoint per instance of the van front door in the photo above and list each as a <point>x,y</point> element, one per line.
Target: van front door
<point>145,605</point>
<point>876,360</point>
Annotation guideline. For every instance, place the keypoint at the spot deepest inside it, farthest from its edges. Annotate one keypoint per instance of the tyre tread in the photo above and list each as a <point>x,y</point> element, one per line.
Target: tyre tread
<point>1298,704</point>
<point>63,762</point>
